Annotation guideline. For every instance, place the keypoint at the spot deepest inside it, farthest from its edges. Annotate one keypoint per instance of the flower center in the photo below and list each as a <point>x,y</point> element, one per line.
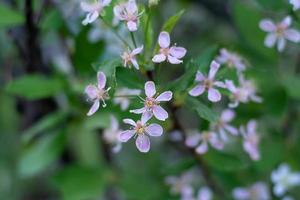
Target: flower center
<point>150,102</point>
<point>208,83</point>
<point>140,129</point>
<point>126,57</point>
<point>280,30</point>
<point>206,136</point>
<point>164,51</point>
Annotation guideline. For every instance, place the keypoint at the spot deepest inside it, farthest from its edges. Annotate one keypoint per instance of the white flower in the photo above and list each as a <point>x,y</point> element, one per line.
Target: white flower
<point>279,33</point>
<point>111,134</point>
<point>122,98</point>
<point>93,10</point>
<point>257,191</point>
<point>232,60</point>
<point>295,3</point>
<point>128,12</point>
<point>284,179</point>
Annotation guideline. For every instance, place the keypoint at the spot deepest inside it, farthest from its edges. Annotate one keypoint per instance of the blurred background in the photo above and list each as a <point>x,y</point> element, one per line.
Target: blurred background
<point>49,149</point>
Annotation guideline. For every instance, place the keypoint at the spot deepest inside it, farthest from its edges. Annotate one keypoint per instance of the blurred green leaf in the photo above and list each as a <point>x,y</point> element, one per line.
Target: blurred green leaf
<point>34,87</point>
<point>79,183</point>
<point>39,155</point>
<point>10,17</point>
<point>203,110</point>
<point>274,5</point>
<point>44,124</point>
<point>129,78</point>
<point>292,86</point>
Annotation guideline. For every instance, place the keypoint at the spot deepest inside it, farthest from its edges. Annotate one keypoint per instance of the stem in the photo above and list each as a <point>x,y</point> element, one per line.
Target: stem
<point>133,39</point>
<point>115,32</point>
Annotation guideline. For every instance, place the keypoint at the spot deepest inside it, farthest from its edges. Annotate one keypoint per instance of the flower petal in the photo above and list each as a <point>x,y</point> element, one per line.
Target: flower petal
<point>105,2</point>
<point>154,130</point>
<point>198,90</point>
<point>159,58</point>
<point>143,143</point>
<point>174,60</point>
<point>118,10</point>
<point>267,25</point>
<point>131,7</point>
<point>227,115</point>
<point>138,111</point>
<point>292,35</point>
<point>192,140</point>
<point>199,76</point>
<point>232,130</point>
<point>165,96</point>
<point>202,148</point>
<point>177,52</point>
<point>132,26</point>
<point>214,67</point>
<point>146,116</point>
<point>137,50</point>
<point>91,91</point>
<point>281,44</point>
<point>101,80</point>
<point>129,121</point>
<point>286,22</point>
<point>160,113</point>
<point>270,40</point>
<point>90,17</point>
<point>124,136</point>
<point>214,95</point>
<point>164,39</point>
<point>94,108</point>
<point>150,89</point>
<point>135,63</point>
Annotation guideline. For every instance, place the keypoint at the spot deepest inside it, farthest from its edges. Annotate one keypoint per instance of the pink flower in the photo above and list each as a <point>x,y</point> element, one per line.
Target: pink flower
<point>110,134</point>
<point>201,141</point>
<point>122,97</point>
<point>257,191</point>
<point>251,140</point>
<point>208,83</point>
<point>128,12</point>
<point>250,89</point>
<point>93,10</point>
<point>173,54</point>
<point>279,33</point>
<point>223,127</point>
<point>181,185</point>
<point>152,102</point>
<point>232,60</point>
<point>97,93</point>
<point>204,193</point>
<point>142,130</point>
<point>130,57</point>
<point>295,3</point>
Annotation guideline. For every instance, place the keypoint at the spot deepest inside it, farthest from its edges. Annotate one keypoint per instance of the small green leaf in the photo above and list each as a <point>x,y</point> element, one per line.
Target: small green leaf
<point>78,183</point>
<point>203,111</point>
<point>34,87</point>
<point>10,17</point>
<point>38,156</point>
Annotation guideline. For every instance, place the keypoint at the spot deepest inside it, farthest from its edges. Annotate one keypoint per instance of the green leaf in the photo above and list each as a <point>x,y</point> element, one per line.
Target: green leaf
<point>34,87</point>
<point>274,5</point>
<point>79,183</point>
<point>203,111</point>
<point>292,85</point>
<point>223,161</point>
<point>129,78</point>
<point>38,156</point>
<point>10,17</point>
<point>44,124</point>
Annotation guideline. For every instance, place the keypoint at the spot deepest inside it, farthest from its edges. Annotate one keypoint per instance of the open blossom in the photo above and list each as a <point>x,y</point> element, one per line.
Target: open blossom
<point>295,3</point>
<point>152,102</point>
<point>201,141</point>
<point>243,94</point>
<point>130,57</point>
<point>173,54</point>
<point>256,191</point>
<point>93,10</point>
<point>251,140</point>
<point>279,33</point>
<point>97,93</point>
<point>129,13</point>
<point>232,60</point>
<point>111,134</point>
<point>141,130</point>
<point>284,179</point>
<point>208,83</point>
<point>122,99</point>
<point>223,127</point>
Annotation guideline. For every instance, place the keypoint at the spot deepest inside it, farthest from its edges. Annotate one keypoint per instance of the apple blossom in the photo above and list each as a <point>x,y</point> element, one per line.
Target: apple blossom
<point>141,130</point>
<point>129,57</point>
<point>284,179</point>
<point>232,60</point>
<point>279,33</point>
<point>152,102</point>
<point>110,134</point>
<point>256,191</point>
<point>173,54</point>
<point>122,97</point>
<point>97,93</point>
<point>129,13</point>
<point>208,83</point>
<point>251,140</point>
<point>93,10</point>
